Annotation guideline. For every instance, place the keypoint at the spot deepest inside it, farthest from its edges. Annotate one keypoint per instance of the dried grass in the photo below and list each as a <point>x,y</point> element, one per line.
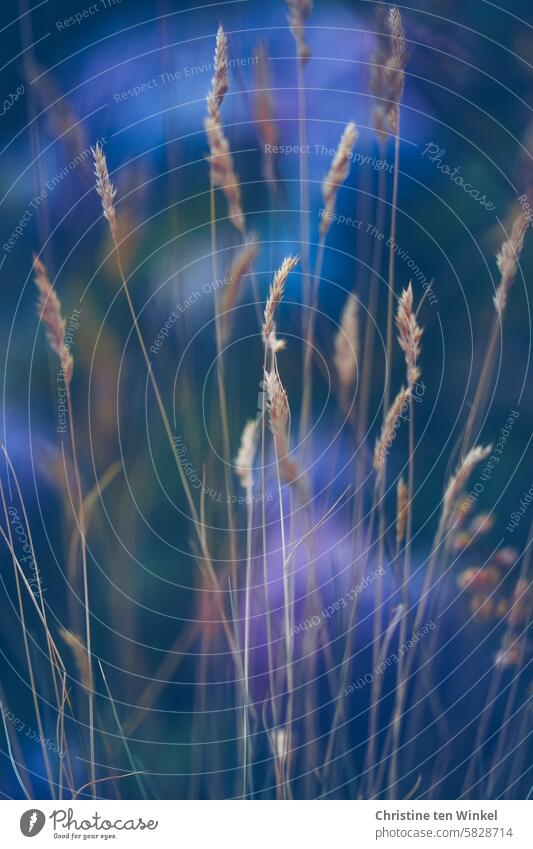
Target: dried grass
<point>389,427</point>
<point>337,174</point>
<point>219,83</point>
<point>401,510</point>
<point>50,313</point>
<point>299,12</point>
<point>409,334</point>
<point>105,189</point>
<point>275,295</point>
<point>347,345</point>
<point>460,477</point>
<point>245,457</point>
<point>394,70</point>
<point>508,259</point>
<point>222,171</point>
<point>278,416</point>
<point>81,656</point>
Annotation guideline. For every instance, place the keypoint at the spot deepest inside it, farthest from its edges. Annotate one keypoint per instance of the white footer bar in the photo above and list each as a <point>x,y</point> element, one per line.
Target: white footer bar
<point>265,825</point>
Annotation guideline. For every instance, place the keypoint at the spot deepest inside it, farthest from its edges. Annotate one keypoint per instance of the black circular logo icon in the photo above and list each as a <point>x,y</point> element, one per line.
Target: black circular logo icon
<point>32,822</point>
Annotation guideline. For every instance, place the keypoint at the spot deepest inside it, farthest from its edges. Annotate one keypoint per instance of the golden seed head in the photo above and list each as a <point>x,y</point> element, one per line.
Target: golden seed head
<point>278,416</point>
<point>459,478</point>
<point>389,427</point>
<point>401,510</point>
<point>222,171</point>
<point>508,258</point>
<point>275,295</point>
<point>299,12</point>
<point>81,656</point>
<point>219,83</point>
<point>387,76</point>
<point>245,457</point>
<point>340,168</point>
<point>49,308</point>
<point>105,188</point>
<point>409,334</point>
<point>347,347</point>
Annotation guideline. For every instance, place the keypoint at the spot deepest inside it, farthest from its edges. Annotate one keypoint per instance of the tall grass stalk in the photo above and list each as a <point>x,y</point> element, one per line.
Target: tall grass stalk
<point>29,663</point>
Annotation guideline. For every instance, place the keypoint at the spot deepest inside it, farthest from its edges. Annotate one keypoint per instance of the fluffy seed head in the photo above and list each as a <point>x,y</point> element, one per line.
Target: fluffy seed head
<point>219,83</point>
<point>220,159</point>
<point>274,343</point>
<point>347,347</point>
<point>409,334</point>
<point>377,83</point>
<point>49,308</point>
<point>278,416</point>
<point>340,168</point>
<point>401,510</point>
<point>459,478</point>
<point>395,66</point>
<point>105,189</point>
<point>508,258</point>
<point>399,48</point>
<point>278,403</point>
<point>281,739</point>
<point>222,171</point>
<point>389,427</point>
<point>299,12</point>
<point>81,656</point>
<point>275,295</point>
<point>245,457</point>
<point>388,72</point>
